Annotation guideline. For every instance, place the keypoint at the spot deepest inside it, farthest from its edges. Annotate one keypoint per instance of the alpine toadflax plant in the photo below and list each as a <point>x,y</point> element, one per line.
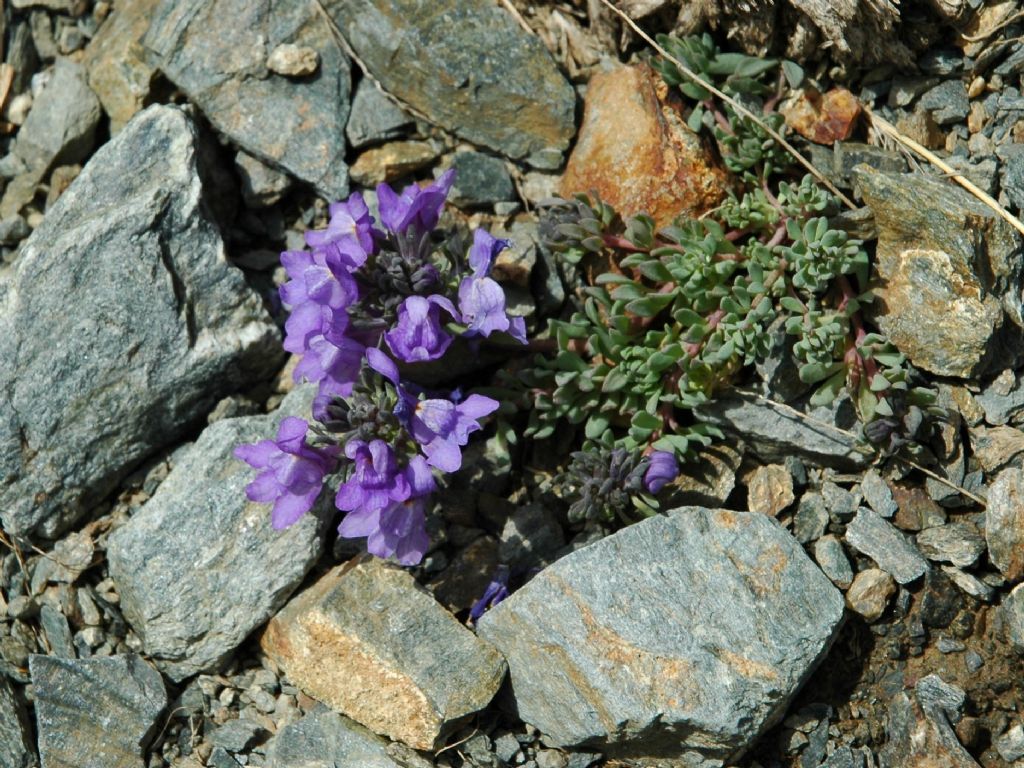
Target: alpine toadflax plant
<point>367,306</point>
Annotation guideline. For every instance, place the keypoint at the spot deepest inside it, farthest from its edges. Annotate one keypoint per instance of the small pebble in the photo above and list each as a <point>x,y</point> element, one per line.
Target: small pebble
<point>973,661</point>
<point>293,60</point>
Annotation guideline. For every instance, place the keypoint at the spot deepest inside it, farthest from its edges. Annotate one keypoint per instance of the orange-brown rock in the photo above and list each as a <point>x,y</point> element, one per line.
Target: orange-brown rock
<point>635,150</point>
<point>823,118</point>
<point>369,642</point>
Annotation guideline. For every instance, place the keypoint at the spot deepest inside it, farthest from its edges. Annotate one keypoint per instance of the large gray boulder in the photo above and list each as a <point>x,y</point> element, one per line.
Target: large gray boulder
<point>467,66</point>
<point>121,325</point>
<point>216,51</point>
<point>681,638</point>
<point>192,611</point>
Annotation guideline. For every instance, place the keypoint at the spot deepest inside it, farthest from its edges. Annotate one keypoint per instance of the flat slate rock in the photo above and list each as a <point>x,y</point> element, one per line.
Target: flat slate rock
<point>192,612</point>
<point>774,432</point>
<point>326,738</point>
<point>216,51</point>
<point>96,713</point>
<point>1004,523</point>
<point>371,643</point>
<point>16,750</point>
<point>460,63</point>
<point>693,649</point>
<point>160,326</point>
<point>870,535</point>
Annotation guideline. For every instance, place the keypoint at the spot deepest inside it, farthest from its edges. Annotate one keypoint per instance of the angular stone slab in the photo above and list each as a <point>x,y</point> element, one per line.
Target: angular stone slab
<point>1004,523</point>
<point>372,644</point>
<point>122,324</point>
<point>16,748</point>
<point>870,535</point>
<point>193,611</point>
<point>774,432</point>
<point>96,713</point>
<point>949,295</point>
<point>461,63</point>
<point>685,633</point>
<point>216,51</point>
<point>326,738</point>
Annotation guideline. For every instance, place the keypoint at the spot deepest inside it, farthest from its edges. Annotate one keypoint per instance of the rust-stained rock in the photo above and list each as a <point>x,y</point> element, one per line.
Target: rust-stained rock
<point>391,161</point>
<point>1004,523</point>
<point>823,118</point>
<point>770,489</point>
<point>635,151</point>
<point>683,636</point>
<point>870,592</point>
<point>920,727</point>
<point>949,271</point>
<point>118,69</point>
<point>369,642</point>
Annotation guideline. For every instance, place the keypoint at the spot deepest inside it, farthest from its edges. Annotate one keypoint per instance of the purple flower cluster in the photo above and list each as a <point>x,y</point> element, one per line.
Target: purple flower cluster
<point>344,314</point>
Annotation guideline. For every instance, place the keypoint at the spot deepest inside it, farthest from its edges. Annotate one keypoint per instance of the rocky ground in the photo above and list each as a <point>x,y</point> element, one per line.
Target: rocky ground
<point>808,605</point>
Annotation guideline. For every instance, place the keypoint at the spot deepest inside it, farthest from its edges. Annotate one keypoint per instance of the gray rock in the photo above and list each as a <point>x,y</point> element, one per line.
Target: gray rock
<point>869,534</point>
<point>831,557</point>
<point>811,518</point>
<point>236,735</point>
<point>973,661</point>
<point>480,179</point>
<point>57,632</point>
<point>531,537</point>
<point>949,272</point>
<point>849,154</point>
<point>460,63</point>
<point>96,713</point>
<point>16,748</point>
<point>844,757</point>
<point>696,647</point>
<point>921,728</point>
<point>841,503</point>
<point>969,584</point>
<point>324,738</point>
<point>216,51</point>
<point>61,127</point>
<point>261,184</point>
<point>1011,744</point>
<point>506,747</point>
<point>957,543</point>
<point>942,61</point>
<point>947,102</point>
<point>192,612</point>
<point>1012,613</point>
<point>1012,178</point>
<point>14,229</point>
<point>374,117</point>
<point>877,494</point>
<point>774,432</point>
<point>1004,523</point>
<point>163,326</point>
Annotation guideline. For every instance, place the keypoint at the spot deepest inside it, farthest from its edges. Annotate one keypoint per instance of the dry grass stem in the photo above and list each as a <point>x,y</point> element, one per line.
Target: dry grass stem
<point>885,128</point>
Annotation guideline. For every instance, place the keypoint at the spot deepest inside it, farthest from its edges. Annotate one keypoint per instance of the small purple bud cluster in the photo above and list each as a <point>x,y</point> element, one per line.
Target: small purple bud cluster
<point>362,301</point>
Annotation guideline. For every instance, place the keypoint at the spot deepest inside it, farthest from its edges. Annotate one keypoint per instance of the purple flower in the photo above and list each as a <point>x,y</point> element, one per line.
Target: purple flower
<point>440,426</point>
<point>292,472</point>
<point>376,480</point>
<point>481,299</point>
<point>417,336</point>
<point>397,529</point>
<point>662,469</point>
<point>416,205</point>
<point>349,233</point>
<point>319,293</point>
<point>496,591</point>
<point>333,360</point>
